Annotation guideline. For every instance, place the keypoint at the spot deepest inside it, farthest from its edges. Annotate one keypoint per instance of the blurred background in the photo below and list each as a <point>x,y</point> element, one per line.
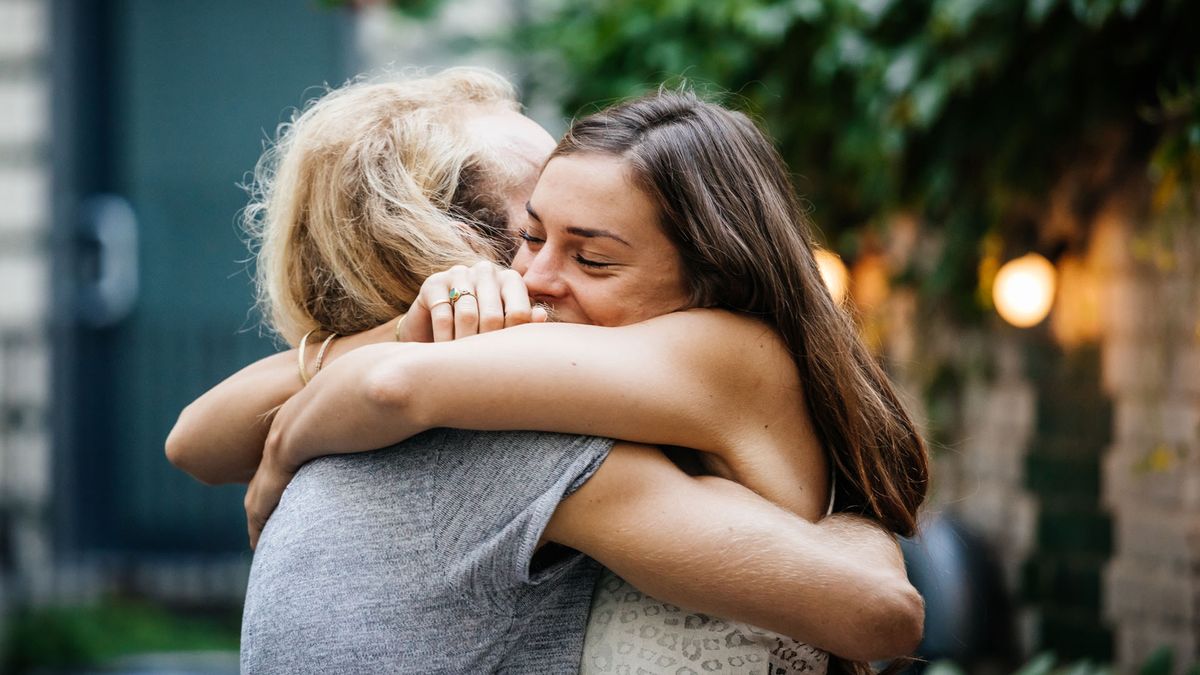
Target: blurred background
<point>1008,191</point>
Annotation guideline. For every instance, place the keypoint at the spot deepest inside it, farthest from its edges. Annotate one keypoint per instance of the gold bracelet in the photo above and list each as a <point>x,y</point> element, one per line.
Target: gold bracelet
<point>399,323</point>
<point>300,356</point>
<point>321,354</point>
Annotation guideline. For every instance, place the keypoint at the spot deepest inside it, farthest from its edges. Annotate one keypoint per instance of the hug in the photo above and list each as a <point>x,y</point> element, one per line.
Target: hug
<point>583,406</point>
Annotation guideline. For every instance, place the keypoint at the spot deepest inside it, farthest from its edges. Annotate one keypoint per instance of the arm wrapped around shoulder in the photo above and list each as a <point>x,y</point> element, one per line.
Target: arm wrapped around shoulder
<point>714,546</point>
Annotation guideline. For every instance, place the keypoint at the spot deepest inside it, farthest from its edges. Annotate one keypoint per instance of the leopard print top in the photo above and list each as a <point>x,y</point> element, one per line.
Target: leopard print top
<point>630,633</point>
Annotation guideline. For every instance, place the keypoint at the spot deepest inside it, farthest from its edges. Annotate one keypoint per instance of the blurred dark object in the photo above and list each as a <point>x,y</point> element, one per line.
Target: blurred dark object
<point>968,617</point>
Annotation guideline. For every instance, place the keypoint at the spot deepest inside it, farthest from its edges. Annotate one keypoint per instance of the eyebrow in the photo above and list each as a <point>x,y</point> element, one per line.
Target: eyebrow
<point>587,232</point>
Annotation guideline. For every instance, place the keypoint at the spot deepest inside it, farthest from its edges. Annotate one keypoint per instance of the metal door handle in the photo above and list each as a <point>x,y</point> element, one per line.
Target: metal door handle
<point>108,285</point>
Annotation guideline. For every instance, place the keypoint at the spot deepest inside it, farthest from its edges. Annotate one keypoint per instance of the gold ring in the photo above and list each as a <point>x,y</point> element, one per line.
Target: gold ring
<point>456,295</point>
<point>440,302</point>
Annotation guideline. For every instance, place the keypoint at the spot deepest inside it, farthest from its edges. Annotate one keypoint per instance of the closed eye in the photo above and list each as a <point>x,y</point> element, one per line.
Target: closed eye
<point>591,263</point>
<point>524,234</point>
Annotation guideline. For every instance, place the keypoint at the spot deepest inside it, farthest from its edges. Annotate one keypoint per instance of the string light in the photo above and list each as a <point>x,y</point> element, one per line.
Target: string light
<point>1024,290</point>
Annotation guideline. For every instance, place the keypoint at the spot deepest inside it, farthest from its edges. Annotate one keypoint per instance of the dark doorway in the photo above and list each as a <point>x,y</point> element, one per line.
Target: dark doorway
<point>161,109</point>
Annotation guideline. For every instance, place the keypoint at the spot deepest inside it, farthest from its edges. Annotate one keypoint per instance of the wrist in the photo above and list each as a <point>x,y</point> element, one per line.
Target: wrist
<point>280,450</point>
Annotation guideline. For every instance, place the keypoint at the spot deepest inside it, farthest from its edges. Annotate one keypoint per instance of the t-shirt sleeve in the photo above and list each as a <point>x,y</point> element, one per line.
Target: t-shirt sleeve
<point>497,492</point>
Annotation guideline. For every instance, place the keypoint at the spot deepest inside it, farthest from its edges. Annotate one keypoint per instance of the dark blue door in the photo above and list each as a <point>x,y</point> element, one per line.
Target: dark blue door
<point>163,110</point>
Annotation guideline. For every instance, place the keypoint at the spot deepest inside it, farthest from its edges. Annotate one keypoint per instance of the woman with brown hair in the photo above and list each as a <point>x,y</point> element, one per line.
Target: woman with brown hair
<point>647,209</point>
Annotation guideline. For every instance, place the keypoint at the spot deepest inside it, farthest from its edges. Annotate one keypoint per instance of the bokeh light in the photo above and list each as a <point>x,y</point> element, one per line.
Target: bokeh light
<point>1024,290</point>
<point>833,271</point>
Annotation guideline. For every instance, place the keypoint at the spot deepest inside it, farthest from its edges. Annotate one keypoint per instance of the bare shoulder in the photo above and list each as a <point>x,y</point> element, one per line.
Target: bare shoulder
<point>769,442</point>
<point>730,345</point>
<point>716,322</point>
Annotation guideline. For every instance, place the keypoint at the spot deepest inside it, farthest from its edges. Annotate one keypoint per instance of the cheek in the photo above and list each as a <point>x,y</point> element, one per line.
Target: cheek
<point>637,299</point>
<point>606,304</point>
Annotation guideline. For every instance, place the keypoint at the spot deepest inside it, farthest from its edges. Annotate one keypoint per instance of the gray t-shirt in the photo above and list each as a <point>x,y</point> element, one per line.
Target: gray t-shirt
<point>417,559</point>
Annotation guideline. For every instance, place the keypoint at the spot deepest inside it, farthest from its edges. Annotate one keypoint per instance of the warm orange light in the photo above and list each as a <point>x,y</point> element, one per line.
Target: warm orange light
<point>869,283</point>
<point>833,271</point>
<point>1024,290</point>
<point>1076,316</point>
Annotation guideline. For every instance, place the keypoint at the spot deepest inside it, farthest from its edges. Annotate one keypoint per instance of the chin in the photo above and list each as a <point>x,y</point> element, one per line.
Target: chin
<point>561,315</point>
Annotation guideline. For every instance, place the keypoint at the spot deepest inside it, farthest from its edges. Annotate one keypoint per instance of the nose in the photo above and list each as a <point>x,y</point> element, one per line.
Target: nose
<point>543,276</point>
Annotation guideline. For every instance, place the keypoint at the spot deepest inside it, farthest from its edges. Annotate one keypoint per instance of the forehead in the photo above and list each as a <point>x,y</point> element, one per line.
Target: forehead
<point>515,137</point>
<point>590,190</point>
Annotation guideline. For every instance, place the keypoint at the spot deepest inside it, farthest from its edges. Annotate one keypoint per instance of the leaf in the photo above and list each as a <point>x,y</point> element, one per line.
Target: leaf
<point>1078,668</point>
<point>1093,12</point>
<point>873,11</point>
<point>1041,664</point>
<point>901,72</point>
<point>1036,11</point>
<point>1160,662</point>
<point>955,17</point>
<point>944,667</point>
<point>1131,7</point>
<point>928,97</point>
<point>809,10</point>
<point>768,24</point>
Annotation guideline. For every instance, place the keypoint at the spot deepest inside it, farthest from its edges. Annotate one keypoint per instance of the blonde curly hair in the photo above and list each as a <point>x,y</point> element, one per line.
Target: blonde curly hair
<point>364,194</point>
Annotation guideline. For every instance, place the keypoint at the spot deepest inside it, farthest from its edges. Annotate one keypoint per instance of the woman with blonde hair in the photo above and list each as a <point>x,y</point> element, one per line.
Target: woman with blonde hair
<point>370,190</point>
<point>679,395</point>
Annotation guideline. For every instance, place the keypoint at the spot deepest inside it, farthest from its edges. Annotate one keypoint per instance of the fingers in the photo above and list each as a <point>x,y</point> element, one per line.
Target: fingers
<point>254,521</point>
<point>493,298</point>
<point>433,305</point>
<point>466,307</point>
<point>517,309</point>
<point>254,529</point>
<point>262,496</point>
<point>489,302</point>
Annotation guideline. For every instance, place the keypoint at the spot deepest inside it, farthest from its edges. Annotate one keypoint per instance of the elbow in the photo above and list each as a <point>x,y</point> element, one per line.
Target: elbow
<point>905,621</point>
<point>183,453</point>
<point>896,623</point>
<point>391,387</point>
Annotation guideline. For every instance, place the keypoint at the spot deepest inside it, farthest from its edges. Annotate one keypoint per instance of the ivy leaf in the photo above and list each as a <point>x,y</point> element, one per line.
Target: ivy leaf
<point>928,97</point>
<point>901,71</point>
<point>1036,11</point>
<point>810,11</point>
<point>954,18</point>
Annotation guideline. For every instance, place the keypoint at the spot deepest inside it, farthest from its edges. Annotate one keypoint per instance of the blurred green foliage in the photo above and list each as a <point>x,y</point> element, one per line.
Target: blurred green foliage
<point>1160,662</point>
<point>71,637</point>
<point>966,112</point>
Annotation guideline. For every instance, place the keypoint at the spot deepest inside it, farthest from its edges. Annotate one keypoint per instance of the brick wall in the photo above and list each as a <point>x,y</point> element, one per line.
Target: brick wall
<point>1152,469</point>
<point>24,289</point>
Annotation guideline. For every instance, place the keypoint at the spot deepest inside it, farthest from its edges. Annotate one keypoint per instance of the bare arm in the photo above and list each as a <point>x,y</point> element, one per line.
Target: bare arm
<point>703,379</point>
<point>713,546</point>
<point>219,437</point>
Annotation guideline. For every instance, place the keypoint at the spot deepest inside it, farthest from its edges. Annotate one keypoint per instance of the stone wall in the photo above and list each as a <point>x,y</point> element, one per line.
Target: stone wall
<point>1151,356</point>
<point>24,289</point>
<point>1018,426</point>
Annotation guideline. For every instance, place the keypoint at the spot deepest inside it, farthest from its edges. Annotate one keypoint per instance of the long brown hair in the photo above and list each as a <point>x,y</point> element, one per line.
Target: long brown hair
<point>726,201</point>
